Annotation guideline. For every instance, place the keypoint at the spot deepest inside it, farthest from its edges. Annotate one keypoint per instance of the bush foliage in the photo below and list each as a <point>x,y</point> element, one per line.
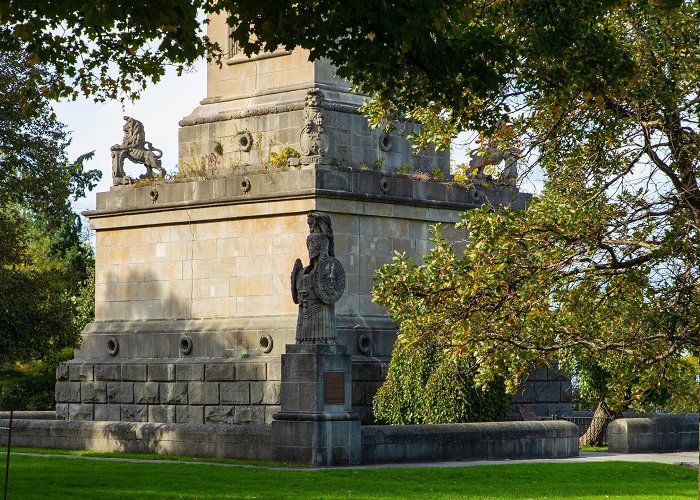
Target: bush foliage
<point>424,386</point>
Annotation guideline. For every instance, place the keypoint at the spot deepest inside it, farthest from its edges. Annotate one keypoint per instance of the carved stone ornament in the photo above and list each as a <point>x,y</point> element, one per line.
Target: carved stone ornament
<point>317,287</point>
<point>386,142</point>
<point>137,149</point>
<point>492,156</point>
<point>314,138</point>
<point>243,141</point>
<point>329,280</point>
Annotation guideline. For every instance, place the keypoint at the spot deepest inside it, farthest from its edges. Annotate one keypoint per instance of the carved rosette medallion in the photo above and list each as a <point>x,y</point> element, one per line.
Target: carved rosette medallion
<point>313,137</point>
<point>329,280</point>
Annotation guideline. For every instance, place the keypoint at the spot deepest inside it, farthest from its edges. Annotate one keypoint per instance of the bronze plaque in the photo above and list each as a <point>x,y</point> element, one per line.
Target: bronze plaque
<point>334,388</point>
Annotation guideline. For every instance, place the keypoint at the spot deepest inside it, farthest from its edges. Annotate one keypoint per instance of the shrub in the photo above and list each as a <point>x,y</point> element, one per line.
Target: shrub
<point>424,386</point>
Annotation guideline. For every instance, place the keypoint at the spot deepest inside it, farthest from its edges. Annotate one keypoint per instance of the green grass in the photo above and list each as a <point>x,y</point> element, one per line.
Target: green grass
<point>56,477</point>
<point>144,456</point>
<point>594,448</point>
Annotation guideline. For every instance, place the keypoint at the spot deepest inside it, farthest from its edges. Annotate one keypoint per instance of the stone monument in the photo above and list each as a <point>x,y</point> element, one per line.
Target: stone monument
<point>261,104</point>
<point>317,287</point>
<point>316,423</point>
<point>192,310</point>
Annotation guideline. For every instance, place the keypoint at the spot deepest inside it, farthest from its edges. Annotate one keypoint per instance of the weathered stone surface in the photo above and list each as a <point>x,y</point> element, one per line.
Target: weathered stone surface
<point>161,372</point>
<point>203,393</point>
<point>80,373</point>
<point>108,412</point>
<point>566,391</point>
<point>68,392</point>
<point>61,411</point>
<point>220,371</point>
<point>108,372</point>
<point>134,413</point>
<point>371,389</point>
<point>267,393</point>
<point>655,434</point>
<point>553,373</point>
<point>358,393</point>
<point>245,442</point>
<point>62,372</point>
<point>274,371</point>
<point>256,393</point>
<point>161,413</point>
<point>189,414</point>
<point>134,372</point>
<point>270,412</point>
<point>120,392</point>
<point>250,371</point>
<point>94,392</point>
<point>173,393</point>
<point>146,393</point>
<point>369,371</point>
<point>538,392</point>
<point>250,415</point>
<point>80,412</point>
<point>235,393</point>
<point>538,375</point>
<point>189,371</point>
<point>219,415</point>
<point>496,440</point>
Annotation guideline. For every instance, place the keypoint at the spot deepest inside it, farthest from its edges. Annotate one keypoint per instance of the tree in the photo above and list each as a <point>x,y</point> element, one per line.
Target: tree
<point>420,55</point>
<point>44,259</point>
<point>601,271</point>
<point>603,95</point>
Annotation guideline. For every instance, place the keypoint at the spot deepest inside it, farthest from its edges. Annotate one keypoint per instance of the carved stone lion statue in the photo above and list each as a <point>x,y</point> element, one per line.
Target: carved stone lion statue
<point>135,148</point>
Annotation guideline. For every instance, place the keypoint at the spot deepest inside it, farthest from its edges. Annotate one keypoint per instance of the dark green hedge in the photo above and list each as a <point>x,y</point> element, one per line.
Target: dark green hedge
<point>425,386</point>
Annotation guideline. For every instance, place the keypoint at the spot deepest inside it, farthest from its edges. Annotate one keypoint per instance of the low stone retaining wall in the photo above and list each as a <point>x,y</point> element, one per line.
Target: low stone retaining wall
<point>250,442</point>
<point>29,415</point>
<point>472,441</point>
<point>655,434</point>
<point>551,439</point>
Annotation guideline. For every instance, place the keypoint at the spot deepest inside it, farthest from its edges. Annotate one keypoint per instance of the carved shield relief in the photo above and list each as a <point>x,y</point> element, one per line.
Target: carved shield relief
<point>329,280</point>
<point>296,273</point>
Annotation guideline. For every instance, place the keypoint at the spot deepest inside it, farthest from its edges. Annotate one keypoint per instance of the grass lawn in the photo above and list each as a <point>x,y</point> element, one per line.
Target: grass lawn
<point>56,477</point>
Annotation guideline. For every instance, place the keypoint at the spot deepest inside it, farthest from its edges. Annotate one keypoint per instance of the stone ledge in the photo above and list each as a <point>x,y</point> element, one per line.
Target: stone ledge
<point>337,182</point>
<point>248,442</point>
<point>553,439</point>
<point>654,434</point>
<point>471,441</point>
<point>28,415</point>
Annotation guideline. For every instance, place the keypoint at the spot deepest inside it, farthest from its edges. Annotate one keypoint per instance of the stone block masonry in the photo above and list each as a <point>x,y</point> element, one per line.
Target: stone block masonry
<point>183,391</point>
<point>380,444</point>
<point>662,433</point>
<point>193,306</point>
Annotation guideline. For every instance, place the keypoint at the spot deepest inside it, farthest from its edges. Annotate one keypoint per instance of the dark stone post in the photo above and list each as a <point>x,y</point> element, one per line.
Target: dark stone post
<point>316,424</point>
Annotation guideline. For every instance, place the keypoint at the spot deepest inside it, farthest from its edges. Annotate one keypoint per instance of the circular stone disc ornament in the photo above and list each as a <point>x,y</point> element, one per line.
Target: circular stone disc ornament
<point>329,280</point>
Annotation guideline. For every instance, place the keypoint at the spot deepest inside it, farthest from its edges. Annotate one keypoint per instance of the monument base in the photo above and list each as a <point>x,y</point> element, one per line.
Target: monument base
<point>316,424</point>
<point>317,442</point>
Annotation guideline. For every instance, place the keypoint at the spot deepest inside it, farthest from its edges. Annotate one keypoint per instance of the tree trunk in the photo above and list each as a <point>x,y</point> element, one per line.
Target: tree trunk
<point>596,431</point>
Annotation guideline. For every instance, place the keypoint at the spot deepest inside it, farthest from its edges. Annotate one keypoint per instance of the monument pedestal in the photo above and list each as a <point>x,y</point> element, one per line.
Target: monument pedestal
<point>316,424</point>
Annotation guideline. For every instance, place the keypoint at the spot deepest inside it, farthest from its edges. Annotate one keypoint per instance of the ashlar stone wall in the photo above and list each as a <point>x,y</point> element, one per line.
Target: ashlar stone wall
<point>182,391</point>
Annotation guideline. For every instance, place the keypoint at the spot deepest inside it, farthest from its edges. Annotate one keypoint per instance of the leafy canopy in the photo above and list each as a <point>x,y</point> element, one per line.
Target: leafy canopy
<point>44,259</point>
<point>601,271</point>
<point>601,94</point>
